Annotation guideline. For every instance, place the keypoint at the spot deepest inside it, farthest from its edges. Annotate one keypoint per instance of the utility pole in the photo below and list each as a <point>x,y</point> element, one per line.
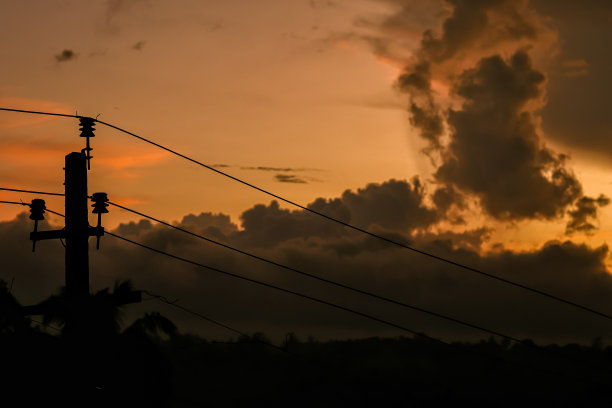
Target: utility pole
<point>77,227</point>
<point>76,233</point>
<point>87,347</point>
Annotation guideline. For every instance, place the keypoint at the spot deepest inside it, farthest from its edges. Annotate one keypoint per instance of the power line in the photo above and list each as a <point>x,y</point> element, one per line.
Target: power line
<point>263,284</point>
<point>158,297</point>
<point>365,315</point>
<point>201,316</point>
<point>360,291</point>
<point>163,299</point>
<point>12,202</point>
<point>208,319</point>
<point>345,224</point>
<point>271,286</point>
<point>26,204</point>
<point>361,230</point>
<point>284,350</point>
<point>353,311</point>
<point>320,278</point>
<point>43,113</point>
<point>31,191</point>
<point>329,281</point>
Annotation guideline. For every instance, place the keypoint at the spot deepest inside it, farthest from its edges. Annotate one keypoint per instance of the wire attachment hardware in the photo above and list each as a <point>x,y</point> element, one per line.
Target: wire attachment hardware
<point>100,204</point>
<point>37,213</point>
<point>87,131</point>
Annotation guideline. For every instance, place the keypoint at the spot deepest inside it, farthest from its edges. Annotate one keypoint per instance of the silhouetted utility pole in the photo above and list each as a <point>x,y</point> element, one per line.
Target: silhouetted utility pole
<point>77,230</point>
<point>76,233</point>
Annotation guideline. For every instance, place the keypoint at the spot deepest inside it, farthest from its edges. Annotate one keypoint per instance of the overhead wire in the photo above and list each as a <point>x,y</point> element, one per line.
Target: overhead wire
<point>13,202</point>
<point>345,224</point>
<point>269,285</point>
<point>361,230</point>
<point>295,270</point>
<point>452,345</point>
<point>336,306</point>
<point>43,113</point>
<point>528,344</point>
<point>30,191</point>
<point>201,316</point>
<point>329,281</point>
<point>275,287</point>
<point>161,298</point>
<point>213,321</point>
<point>320,278</point>
<point>344,286</point>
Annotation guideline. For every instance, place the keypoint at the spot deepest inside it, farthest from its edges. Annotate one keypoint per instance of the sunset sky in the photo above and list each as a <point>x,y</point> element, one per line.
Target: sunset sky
<point>492,117</point>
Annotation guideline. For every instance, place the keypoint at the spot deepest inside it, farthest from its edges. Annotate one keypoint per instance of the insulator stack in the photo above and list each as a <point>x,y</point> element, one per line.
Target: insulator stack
<point>100,201</point>
<point>37,213</point>
<point>100,204</point>
<point>37,209</point>
<point>87,131</point>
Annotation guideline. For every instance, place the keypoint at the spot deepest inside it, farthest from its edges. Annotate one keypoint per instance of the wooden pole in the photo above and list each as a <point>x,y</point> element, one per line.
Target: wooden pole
<point>77,234</point>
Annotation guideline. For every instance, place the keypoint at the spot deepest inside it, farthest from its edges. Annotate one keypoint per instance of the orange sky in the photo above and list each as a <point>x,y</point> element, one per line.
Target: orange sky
<point>245,84</point>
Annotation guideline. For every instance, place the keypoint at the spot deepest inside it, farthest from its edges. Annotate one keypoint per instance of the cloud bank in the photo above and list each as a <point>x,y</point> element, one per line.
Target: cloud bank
<point>397,209</point>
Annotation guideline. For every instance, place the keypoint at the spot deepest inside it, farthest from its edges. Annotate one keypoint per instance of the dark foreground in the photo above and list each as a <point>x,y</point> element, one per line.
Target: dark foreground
<point>138,369</point>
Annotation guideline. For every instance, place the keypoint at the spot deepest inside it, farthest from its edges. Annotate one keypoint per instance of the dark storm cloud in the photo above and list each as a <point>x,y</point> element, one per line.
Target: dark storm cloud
<point>495,152</point>
<point>425,115</point>
<point>585,212</point>
<point>577,113</point>
<point>589,11</point>
<point>450,203</point>
<point>389,36</point>
<point>316,246</point>
<point>464,29</point>
<point>484,135</point>
<point>394,205</point>
<point>66,55</point>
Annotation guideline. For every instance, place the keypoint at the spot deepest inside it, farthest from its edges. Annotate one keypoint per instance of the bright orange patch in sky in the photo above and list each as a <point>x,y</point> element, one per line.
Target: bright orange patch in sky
<point>30,152</point>
<point>133,160</point>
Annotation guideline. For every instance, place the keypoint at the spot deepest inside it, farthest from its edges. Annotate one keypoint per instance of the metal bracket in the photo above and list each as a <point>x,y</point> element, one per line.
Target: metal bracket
<point>56,234</point>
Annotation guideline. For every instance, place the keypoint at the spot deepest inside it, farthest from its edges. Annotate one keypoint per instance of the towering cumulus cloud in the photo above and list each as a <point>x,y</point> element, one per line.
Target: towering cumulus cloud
<point>474,96</point>
<point>495,152</point>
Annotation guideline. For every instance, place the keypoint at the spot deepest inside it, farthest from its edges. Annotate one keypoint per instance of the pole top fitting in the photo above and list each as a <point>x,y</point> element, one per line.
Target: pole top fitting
<point>87,130</point>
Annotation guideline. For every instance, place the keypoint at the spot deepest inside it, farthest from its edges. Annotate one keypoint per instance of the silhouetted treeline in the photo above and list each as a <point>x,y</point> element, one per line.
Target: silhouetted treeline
<point>403,372</point>
<point>150,364</point>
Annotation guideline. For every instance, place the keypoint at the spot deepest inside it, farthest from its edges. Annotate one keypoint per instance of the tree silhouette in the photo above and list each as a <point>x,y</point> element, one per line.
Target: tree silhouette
<point>152,325</point>
<point>11,318</point>
<point>100,314</point>
<point>104,365</point>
